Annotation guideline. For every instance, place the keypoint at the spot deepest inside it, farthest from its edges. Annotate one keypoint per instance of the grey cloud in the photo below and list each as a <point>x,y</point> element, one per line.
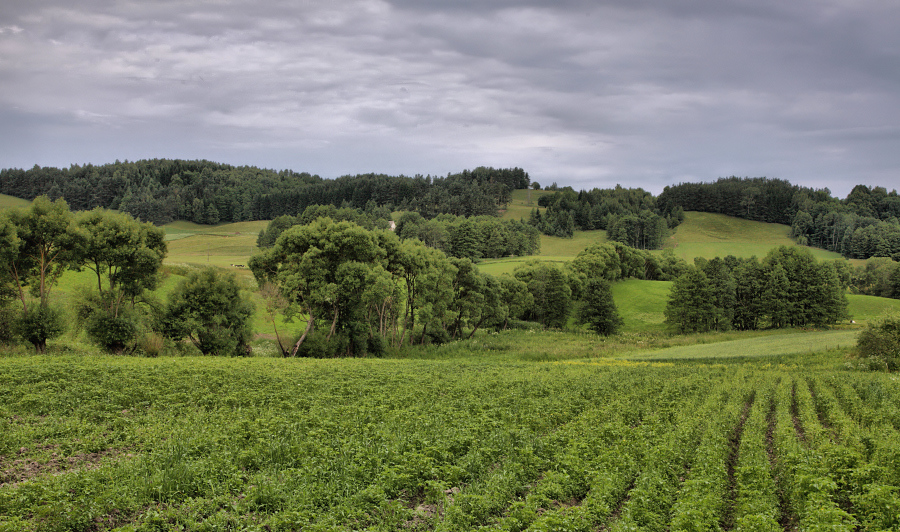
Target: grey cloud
<point>644,92</point>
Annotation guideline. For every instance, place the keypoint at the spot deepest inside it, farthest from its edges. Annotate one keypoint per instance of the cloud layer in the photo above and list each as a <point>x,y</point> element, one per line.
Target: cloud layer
<point>642,93</point>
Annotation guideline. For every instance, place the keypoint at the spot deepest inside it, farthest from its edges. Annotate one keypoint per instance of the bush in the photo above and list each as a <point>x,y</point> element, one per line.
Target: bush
<point>880,342</point>
<point>39,324</point>
<point>108,322</point>
<point>208,308</point>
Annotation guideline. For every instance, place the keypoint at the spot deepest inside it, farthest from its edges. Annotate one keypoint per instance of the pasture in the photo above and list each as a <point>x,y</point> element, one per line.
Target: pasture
<point>522,203</point>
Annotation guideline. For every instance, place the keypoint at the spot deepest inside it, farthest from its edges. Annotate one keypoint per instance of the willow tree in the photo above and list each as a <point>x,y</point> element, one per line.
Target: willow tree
<point>323,269</point>
<point>39,243</point>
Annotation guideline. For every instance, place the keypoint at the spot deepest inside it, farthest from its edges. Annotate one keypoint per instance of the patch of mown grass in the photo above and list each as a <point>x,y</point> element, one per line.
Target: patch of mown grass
<point>553,249</point>
<point>554,246</point>
<point>522,203</point>
<point>786,343</point>
<point>509,264</point>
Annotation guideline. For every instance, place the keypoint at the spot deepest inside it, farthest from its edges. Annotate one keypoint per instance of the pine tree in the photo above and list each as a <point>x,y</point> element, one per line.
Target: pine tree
<point>598,310</point>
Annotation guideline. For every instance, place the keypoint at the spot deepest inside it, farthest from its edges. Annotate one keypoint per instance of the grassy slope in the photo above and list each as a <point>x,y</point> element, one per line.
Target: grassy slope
<point>710,235</point>
<point>522,203</point>
<point>641,304</point>
<point>865,308</point>
<point>215,245</point>
<point>7,202</point>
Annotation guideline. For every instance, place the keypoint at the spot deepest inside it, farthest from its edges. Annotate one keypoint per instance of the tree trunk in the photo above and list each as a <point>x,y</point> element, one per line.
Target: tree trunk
<point>333,324</point>
<point>309,327</point>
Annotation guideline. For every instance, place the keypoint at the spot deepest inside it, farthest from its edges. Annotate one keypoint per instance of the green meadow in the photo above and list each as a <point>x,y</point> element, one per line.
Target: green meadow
<point>522,203</point>
<point>711,235</point>
<point>7,202</point>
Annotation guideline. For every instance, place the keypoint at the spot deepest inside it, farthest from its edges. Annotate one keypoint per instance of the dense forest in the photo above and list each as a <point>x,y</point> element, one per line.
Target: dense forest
<point>865,224</point>
<point>163,190</point>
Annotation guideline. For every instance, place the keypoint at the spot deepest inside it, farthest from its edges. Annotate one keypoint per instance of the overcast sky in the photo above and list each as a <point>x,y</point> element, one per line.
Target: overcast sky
<point>585,93</point>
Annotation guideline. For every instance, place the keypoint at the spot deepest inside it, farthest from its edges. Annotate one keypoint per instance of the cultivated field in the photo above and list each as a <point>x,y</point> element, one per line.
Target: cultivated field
<point>480,437</point>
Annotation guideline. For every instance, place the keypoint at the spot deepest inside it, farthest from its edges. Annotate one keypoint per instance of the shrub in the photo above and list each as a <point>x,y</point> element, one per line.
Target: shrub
<point>880,342</point>
<point>208,308</point>
<point>113,333</point>
<point>39,324</point>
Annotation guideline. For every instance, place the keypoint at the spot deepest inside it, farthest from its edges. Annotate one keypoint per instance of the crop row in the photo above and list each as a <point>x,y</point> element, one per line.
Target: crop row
<point>383,445</point>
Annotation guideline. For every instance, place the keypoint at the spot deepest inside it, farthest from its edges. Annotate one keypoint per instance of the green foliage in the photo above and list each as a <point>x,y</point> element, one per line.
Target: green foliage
<point>629,216</point>
<point>162,190</point>
<point>691,305</point>
<point>8,318</point>
<point>40,323</point>
<point>879,342</point>
<point>550,290</point>
<point>597,309</point>
<point>789,288</point>
<point>128,252</point>
<point>208,308</point>
<point>39,244</point>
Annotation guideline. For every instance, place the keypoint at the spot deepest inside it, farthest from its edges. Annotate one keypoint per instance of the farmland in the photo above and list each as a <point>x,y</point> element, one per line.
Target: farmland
<point>522,430</point>
<point>480,436</point>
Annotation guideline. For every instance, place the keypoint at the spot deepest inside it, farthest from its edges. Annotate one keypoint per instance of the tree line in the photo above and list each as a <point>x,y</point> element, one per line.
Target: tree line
<point>629,215</point>
<point>474,238</point>
<point>119,312</point>
<point>878,276</point>
<point>163,190</point>
<point>865,224</point>
<point>358,290</point>
<point>787,288</point>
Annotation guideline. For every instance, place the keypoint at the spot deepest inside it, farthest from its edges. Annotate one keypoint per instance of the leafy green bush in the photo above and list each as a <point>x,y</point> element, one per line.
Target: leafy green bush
<point>208,308</point>
<point>880,342</point>
<point>39,324</point>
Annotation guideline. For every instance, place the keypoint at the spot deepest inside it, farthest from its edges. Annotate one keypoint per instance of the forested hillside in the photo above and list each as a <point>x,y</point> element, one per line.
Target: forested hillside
<point>865,224</point>
<point>163,190</point>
